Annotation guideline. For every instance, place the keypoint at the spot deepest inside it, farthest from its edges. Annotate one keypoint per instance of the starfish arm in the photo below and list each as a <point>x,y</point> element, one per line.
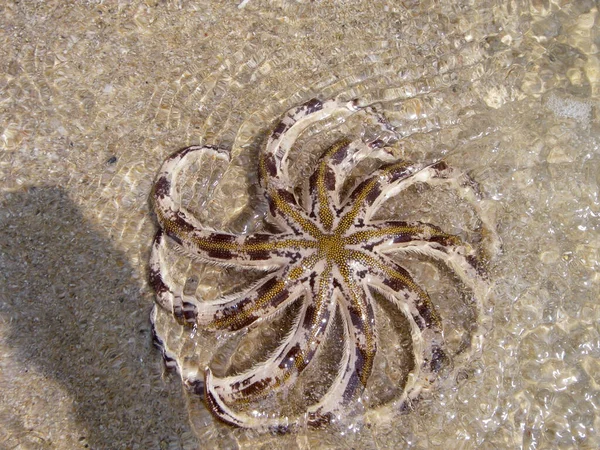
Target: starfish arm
<point>284,208</point>
<point>241,310</point>
<point>255,421</point>
<point>261,301</point>
<point>359,203</point>
<point>333,168</point>
<point>259,250</point>
<point>324,184</point>
<point>427,340</point>
<point>387,234</point>
<point>461,258</point>
<point>381,267</point>
<point>440,173</point>
<point>397,285</point>
<point>233,312</point>
<point>288,361</point>
<point>273,168</point>
<point>422,239</point>
<point>158,278</point>
<point>165,192</point>
<point>360,347</point>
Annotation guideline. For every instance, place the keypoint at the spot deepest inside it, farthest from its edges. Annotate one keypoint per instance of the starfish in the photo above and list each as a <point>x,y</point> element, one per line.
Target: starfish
<point>328,253</point>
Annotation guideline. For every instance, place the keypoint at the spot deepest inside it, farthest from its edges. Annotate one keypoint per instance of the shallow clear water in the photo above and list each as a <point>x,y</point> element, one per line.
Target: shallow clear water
<point>93,97</point>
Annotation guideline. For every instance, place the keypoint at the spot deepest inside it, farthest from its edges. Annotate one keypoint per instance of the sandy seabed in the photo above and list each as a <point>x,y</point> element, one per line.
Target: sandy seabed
<point>93,97</point>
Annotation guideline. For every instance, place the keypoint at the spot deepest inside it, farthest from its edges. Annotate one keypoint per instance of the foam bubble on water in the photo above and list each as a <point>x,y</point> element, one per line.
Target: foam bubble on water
<point>569,108</point>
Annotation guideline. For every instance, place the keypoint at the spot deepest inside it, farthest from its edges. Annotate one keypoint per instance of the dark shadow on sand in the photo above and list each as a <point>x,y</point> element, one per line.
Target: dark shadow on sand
<point>77,316</point>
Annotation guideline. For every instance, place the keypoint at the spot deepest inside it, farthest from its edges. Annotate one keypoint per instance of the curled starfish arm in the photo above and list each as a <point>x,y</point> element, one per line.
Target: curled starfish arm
<point>262,300</point>
<point>461,258</point>
<point>165,193</point>
<point>358,205</point>
<point>360,347</point>
<point>397,285</point>
<point>334,166</point>
<point>385,272</point>
<point>163,287</point>
<point>421,239</point>
<point>265,298</point>
<point>273,168</point>
<point>436,174</point>
<point>287,362</point>
<point>263,251</point>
